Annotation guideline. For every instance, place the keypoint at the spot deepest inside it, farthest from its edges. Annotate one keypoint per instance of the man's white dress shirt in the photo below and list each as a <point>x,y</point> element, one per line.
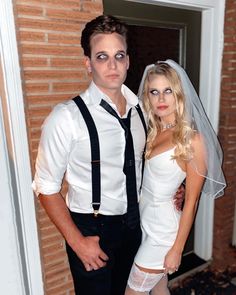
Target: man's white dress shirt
<point>65,149</point>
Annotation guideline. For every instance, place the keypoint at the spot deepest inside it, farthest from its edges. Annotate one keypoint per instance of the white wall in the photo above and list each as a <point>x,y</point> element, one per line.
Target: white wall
<point>11,279</point>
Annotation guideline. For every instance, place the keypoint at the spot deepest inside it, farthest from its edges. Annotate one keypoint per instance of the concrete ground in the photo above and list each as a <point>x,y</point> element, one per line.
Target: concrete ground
<point>206,282</point>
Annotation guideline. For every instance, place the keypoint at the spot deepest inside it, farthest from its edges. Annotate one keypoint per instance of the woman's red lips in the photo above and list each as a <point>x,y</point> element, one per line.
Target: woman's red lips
<point>162,107</point>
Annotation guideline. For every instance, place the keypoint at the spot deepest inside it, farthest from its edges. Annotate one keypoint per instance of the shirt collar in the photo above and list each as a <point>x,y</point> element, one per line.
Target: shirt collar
<point>95,95</point>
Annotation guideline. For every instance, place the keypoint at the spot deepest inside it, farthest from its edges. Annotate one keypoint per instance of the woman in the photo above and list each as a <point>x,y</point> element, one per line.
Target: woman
<point>181,146</point>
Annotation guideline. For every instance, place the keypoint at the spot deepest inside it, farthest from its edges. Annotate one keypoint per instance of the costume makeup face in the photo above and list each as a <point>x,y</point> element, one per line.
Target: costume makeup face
<point>162,98</point>
<point>109,61</point>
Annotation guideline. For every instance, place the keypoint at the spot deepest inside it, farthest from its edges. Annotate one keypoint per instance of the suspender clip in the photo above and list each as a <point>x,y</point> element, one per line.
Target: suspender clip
<point>95,211</point>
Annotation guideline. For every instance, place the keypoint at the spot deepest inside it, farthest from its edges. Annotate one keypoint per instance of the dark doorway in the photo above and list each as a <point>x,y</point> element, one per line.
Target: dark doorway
<point>148,45</point>
<point>162,19</point>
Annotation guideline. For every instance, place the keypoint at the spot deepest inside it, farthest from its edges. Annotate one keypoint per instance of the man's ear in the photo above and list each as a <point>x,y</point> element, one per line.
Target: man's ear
<point>127,66</point>
<point>88,64</point>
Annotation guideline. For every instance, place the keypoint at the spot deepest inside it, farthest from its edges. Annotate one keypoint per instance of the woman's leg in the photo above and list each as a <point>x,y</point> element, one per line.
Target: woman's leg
<point>141,281</point>
<point>161,287</point>
<point>130,291</point>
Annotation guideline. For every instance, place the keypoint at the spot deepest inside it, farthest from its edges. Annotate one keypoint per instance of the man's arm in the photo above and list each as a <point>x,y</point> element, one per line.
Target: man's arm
<point>86,248</point>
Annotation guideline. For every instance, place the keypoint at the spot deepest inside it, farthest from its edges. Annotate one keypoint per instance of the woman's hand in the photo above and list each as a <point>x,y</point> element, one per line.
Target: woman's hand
<point>172,261</point>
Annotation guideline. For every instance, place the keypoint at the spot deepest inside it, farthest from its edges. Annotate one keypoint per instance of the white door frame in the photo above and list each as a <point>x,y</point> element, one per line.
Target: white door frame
<point>212,33</point>
<point>11,278</point>
<point>19,172</point>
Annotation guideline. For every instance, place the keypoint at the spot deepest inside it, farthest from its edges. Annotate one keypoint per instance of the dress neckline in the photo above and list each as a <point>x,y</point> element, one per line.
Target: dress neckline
<point>161,154</point>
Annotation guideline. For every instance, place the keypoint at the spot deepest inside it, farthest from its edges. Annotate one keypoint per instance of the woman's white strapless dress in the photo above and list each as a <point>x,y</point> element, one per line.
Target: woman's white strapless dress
<point>159,217</point>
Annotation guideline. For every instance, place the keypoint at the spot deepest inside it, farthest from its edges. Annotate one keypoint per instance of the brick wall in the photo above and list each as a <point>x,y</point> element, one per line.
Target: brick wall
<point>53,70</point>
<point>224,254</point>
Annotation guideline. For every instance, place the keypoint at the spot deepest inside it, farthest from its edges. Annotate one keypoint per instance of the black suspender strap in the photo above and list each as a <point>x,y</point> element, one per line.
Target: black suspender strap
<point>95,150</point>
<point>145,130</point>
<point>142,118</point>
<point>95,153</point>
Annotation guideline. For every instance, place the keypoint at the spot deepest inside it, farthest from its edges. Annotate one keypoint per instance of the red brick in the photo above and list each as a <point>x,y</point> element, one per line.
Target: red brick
<point>53,74</point>
<point>60,290</point>
<point>35,122</point>
<point>36,87</point>
<point>68,4</point>
<point>70,15</point>
<point>29,10</point>
<point>68,63</point>
<point>92,7</point>
<point>224,207</point>
<point>34,62</point>
<point>31,36</point>
<point>49,25</point>
<point>64,38</point>
<point>43,111</point>
<point>65,87</point>
<point>50,50</point>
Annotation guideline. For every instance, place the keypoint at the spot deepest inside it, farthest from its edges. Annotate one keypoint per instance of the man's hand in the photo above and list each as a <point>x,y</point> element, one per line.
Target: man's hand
<point>86,248</point>
<point>179,198</point>
<point>90,253</point>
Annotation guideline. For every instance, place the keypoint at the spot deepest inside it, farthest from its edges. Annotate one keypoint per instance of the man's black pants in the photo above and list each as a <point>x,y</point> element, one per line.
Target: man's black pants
<point>120,244</point>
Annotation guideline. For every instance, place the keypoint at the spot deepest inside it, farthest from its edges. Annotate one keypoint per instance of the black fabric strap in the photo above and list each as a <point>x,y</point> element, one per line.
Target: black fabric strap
<point>145,130</point>
<point>95,153</point>
<point>138,108</point>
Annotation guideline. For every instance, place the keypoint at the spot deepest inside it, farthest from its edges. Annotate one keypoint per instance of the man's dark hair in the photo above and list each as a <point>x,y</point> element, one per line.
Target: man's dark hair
<point>105,24</point>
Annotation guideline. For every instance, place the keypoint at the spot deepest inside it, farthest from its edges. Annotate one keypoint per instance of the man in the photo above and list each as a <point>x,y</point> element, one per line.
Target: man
<point>101,242</point>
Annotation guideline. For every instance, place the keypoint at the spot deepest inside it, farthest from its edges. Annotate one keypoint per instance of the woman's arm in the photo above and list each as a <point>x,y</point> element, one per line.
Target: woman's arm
<point>195,169</point>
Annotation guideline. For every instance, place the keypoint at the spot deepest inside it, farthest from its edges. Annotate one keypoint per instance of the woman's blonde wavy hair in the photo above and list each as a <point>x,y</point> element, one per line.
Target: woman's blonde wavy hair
<point>183,132</point>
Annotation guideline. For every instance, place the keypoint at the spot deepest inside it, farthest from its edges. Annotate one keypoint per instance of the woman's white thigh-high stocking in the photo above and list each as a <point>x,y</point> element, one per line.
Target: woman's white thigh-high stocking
<point>141,282</point>
<point>161,287</point>
<point>130,291</point>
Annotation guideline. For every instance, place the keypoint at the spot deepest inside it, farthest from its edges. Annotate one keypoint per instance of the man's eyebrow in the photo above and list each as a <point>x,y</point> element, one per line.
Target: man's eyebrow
<point>122,51</point>
<point>105,52</point>
<point>101,52</point>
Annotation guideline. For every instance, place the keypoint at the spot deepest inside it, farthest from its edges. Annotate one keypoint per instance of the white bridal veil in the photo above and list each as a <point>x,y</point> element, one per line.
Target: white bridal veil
<point>214,179</point>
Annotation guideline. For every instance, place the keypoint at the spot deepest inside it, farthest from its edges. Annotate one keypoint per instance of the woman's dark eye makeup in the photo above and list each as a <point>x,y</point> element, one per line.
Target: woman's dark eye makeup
<point>156,92</point>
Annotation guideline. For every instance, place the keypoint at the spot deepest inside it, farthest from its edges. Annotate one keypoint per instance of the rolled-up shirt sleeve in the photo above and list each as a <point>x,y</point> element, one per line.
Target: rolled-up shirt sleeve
<point>53,151</point>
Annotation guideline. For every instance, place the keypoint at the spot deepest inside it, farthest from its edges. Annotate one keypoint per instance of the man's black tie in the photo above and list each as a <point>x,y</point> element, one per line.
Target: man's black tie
<point>129,167</point>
